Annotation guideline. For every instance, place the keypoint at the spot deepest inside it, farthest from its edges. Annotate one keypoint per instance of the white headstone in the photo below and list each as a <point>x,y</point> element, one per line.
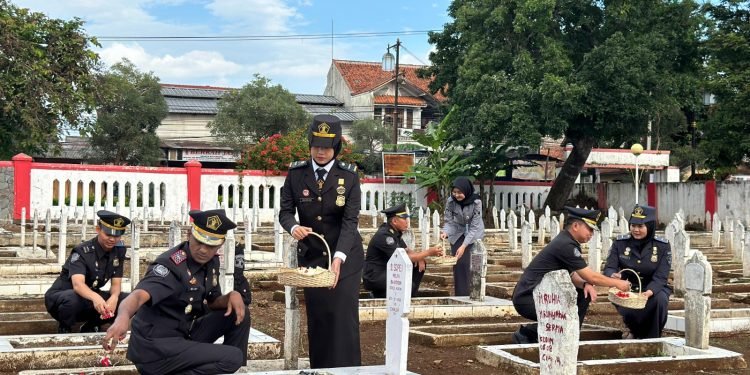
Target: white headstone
<point>374,216</point>
<point>228,270</point>
<point>525,244</point>
<point>145,217</point>
<point>554,228</point>
<point>503,224</point>
<point>698,284</point>
<point>669,233</point>
<point>435,227</point>
<point>606,237</point>
<point>63,241</point>
<point>557,321</point>
<point>595,254</point>
<point>612,214</point>
<point>716,231</point>
<point>48,233</point>
<point>624,226</point>
<point>512,235</point>
<point>541,233</point>
<point>679,252</point>
<point>495,219</point>
<point>729,234</point>
<point>420,219</point>
<point>512,218</point>
<point>35,231</point>
<point>532,220</point>
<point>547,214</point>
<point>478,267</point>
<point>135,260</point>
<point>739,238</point>
<point>175,236</point>
<point>522,211</point>
<point>291,310</point>
<point>708,224</point>
<point>248,238</point>
<point>278,232</point>
<point>23,228</point>
<point>398,303</point>
<point>746,259</point>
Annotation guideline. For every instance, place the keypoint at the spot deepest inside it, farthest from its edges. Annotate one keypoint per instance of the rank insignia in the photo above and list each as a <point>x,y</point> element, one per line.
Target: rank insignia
<point>341,190</point>
<point>216,281</point>
<point>390,240</point>
<point>116,262</point>
<point>654,258</point>
<point>340,201</point>
<point>178,257</point>
<point>188,309</point>
<point>193,281</point>
<point>96,282</point>
<point>627,252</point>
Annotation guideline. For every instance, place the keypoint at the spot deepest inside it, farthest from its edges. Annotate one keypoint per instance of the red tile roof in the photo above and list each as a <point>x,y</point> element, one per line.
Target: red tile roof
<point>362,76</point>
<point>402,100</point>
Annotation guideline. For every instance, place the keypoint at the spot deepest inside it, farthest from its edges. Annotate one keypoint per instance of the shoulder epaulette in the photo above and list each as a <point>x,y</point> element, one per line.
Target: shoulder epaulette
<point>87,248</point>
<point>623,237</point>
<point>660,239</point>
<point>178,257</point>
<point>348,166</point>
<point>298,164</point>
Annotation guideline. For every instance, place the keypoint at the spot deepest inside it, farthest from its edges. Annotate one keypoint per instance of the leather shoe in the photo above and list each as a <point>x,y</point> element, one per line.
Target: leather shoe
<point>63,329</point>
<point>90,327</point>
<point>520,338</point>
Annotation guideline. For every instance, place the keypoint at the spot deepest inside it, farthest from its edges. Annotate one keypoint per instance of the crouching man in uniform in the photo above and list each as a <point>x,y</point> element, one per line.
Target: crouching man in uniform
<point>178,309</point>
<point>76,295</point>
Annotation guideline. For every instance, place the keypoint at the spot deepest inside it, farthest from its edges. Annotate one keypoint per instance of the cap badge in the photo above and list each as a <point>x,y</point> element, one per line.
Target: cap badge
<point>638,213</point>
<point>119,222</point>
<point>324,128</point>
<point>213,222</point>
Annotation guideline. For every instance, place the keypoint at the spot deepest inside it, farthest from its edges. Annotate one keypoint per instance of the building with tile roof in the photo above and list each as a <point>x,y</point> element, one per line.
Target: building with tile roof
<point>370,92</point>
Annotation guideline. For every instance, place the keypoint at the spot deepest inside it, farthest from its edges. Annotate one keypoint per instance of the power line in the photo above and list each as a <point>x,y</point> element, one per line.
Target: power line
<point>111,38</point>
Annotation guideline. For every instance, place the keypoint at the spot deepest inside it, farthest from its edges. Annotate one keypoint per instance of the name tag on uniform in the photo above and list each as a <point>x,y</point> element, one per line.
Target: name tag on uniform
<point>305,200</point>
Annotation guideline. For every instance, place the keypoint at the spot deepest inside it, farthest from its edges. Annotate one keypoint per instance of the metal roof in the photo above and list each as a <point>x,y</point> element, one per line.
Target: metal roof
<point>188,92</point>
<point>192,105</point>
<point>343,113</point>
<point>316,99</point>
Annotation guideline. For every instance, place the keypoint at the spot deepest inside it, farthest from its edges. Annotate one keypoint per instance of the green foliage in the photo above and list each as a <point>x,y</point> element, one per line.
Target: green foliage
<point>129,108</point>
<point>370,135</point>
<point>255,111</point>
<point>46,79</point>
<point>594,73</point>
<point>275,153</point>
<point>728,48</point>
<point>442,165</point>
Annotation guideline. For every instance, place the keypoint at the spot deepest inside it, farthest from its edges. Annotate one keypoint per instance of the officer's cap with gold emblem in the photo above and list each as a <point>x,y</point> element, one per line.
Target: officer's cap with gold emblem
<point>642,215</point>
<point>590,217</point>
<point>325,131</point>
<point>211,226</point>
<point>112,223</point>
<point>397,210</point>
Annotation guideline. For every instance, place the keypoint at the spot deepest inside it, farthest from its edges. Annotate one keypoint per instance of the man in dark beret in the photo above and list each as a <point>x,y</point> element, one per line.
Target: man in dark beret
<point>562,253</point>
<point>325,195</point>
<point>382,246</point>
<point>77,295</point>
<point>179,311</point>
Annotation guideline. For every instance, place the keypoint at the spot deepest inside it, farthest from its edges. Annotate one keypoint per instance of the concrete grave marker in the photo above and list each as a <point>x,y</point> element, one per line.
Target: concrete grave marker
<point>540,233</point>
<point>612,214</point>
<point>23,228</point>
<point>436,227</point>
<point>63,239</point>
<point>135,272</point>
<point>557,321</point>
<point>739,238</point>
<point>47,233</point>
<point>716,231</point>
<point>679,252</point>
<point>495,219</point>
<point>503,223</point>
<point>532,220</point>
<point>398,304</point>
<point>624,226</point>
<point>522,211</point>
<point>374,217</point>
<point>36,230</point>
<point>746,259</point>
<point>228,269</point>
<point>698,283</point>
<point>595,254</point>
<point>708,223</point>
<point>478,267</point>
<point>420,219</point>
<point>248,239</point>
<point>548,215</point>
<point>291,312</point>
<point>729,234</point>
<point>512,233</point>
<point>606,237</point>
<point>525,244</point>
<point>554,228</point>
<point>174,237</point>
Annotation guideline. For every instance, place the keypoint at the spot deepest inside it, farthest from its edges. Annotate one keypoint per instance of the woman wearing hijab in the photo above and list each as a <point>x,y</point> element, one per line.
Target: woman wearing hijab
<point>651,258</point>
<point>463,226</point>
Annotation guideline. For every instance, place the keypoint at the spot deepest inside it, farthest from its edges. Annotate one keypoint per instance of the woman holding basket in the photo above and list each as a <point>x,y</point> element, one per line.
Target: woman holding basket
<point>641,256</point>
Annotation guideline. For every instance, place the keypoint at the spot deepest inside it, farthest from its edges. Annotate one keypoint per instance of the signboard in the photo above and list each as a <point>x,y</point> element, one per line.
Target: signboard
<point>211,155</point>
<point>396,164</point>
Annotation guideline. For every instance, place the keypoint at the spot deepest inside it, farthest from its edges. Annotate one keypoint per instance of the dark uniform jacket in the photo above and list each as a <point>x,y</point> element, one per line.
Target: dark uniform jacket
<point>652,263</point>
<point>382,246</point>
<point>90,260</point>
<point>333,212</point>
<point>180,291</point>
<point>562,253</point>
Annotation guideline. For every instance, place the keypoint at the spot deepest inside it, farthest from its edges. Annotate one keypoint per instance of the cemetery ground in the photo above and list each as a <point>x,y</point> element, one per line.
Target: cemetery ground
<point>268,317</point>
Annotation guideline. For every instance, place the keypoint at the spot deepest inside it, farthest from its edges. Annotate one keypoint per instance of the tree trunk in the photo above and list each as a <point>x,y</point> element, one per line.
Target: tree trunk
<point>572,167</point>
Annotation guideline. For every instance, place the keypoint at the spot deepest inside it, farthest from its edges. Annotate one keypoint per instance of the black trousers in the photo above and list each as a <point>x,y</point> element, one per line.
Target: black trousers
<point>199,354</point>
<point>333,324</point>
<point>526,308</point>
<point>462,269</point>
<point>416,279</point>
<point>67,307</point>
<point>647,323</point>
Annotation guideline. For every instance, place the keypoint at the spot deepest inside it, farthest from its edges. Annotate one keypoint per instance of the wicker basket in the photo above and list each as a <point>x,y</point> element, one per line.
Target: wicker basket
<point>634,301</point>
<point>445,260</point>
<point>292,277</point>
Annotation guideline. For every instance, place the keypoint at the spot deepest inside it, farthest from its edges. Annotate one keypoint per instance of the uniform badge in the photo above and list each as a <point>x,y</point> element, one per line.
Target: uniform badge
<point>340,201</point>
<point>161,270</point>
<point>188,309</point>
<point>390,240</point>
<point>239,261</point>
<point>627,252</point>
<point>216,281</point>
<point>341,181</point>
<point>193,281</point>
<point>577,252</point>
<point>116,262</point>
<point>654,258</point>
<point>75,257</point>
<point>178,257</point>
<point>305,193</point>
<point>341,190</point>
<point>96,282</point>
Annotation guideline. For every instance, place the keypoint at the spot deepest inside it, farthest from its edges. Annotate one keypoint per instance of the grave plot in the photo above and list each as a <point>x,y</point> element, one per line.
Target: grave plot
<point>723,321</point>
<point>34,352</point>
<point>441,308</point>
<point>490,334</point>
<point>669,354</point>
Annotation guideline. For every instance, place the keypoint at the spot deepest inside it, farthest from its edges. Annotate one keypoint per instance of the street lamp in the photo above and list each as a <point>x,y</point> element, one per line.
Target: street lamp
<point>388,66</point>
<point>636,149</point>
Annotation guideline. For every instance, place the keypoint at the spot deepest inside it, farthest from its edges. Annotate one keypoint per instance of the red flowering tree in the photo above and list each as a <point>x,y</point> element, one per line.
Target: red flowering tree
<point>274,154</point>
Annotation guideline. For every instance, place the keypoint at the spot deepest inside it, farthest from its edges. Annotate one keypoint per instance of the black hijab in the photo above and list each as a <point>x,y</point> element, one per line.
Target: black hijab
<point>466,187</point>
<point>640,244</point>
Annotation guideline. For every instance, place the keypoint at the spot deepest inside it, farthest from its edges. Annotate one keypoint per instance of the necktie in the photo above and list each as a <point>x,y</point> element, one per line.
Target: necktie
<point>321,172</point>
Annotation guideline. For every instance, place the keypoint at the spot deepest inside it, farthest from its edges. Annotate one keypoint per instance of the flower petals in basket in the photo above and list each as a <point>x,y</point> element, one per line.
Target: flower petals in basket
<point>445,260</point>
<point>629,300</point>
<point>317,277</point>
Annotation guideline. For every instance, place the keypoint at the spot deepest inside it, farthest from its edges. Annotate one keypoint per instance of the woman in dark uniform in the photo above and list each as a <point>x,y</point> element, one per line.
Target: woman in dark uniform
<point>326,196</point>
<point>651,258</point>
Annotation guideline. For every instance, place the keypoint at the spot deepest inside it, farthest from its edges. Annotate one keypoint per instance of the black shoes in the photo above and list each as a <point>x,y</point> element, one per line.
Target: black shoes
<point>520,338</point>
<point>63,329</point>
<point>90,327</point>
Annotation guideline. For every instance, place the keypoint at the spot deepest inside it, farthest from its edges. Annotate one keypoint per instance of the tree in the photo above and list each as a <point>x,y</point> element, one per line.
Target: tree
<point>254,111</point>
<point>591,72</point>
<point>728,49</point>
<point>129,108</point>
<point>369,137</point>
<point>46,79</point>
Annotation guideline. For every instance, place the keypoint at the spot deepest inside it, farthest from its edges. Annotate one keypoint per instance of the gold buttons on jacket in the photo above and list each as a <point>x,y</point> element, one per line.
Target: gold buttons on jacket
<point>320,218</point>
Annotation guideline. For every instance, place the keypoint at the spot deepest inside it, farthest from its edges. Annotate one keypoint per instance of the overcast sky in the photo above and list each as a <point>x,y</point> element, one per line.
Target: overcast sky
<point>300,65</point>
